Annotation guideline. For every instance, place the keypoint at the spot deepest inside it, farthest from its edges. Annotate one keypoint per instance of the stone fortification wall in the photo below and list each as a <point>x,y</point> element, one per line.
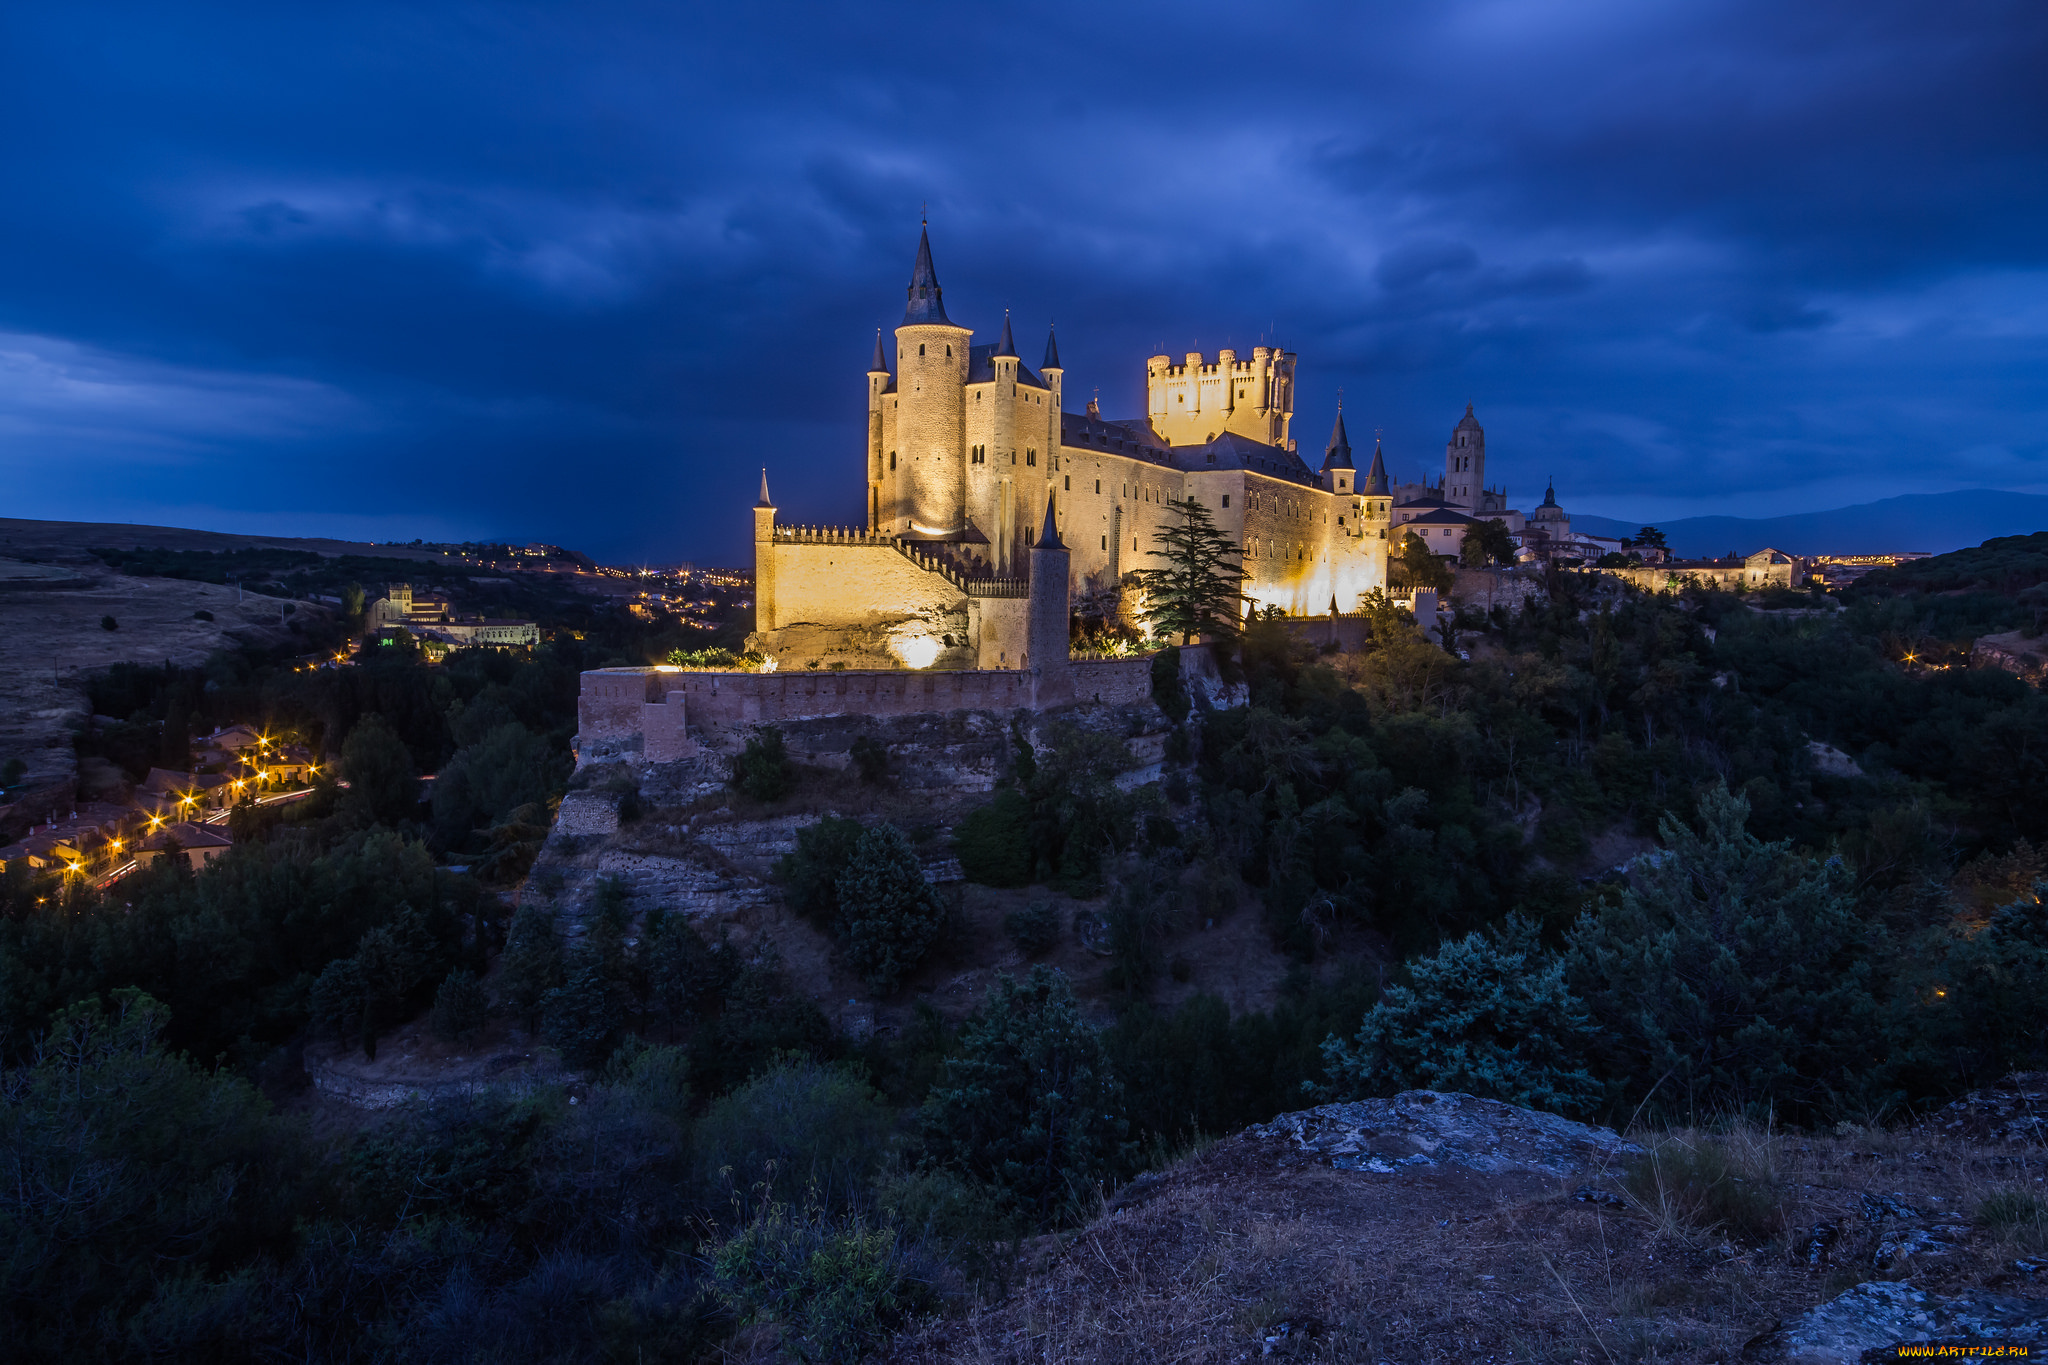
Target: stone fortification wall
<point>851,582</point>
<point>651,713</point>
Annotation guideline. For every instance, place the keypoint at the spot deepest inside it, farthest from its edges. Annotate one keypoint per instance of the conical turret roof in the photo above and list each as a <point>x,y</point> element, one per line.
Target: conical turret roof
<point>926,304</point>
<point>1052,351</point>
<point>1049,537</point>
<point>880,364</point>
<point>1338,454</point>
<point>764,502</point>
<point>1007,344</point>
<point>1376,477</point>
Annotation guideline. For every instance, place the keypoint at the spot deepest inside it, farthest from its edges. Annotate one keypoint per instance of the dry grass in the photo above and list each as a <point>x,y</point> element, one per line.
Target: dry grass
<point>1212,1260</point>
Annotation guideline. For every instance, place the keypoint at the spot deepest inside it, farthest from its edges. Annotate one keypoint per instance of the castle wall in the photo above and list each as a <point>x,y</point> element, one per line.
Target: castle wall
<point>931,377</point>
<point>853,584</point>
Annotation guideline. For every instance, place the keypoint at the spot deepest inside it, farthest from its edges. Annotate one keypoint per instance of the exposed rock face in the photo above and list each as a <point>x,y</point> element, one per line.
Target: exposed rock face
<point>1421,1128</point>
<point>2013,1112</point>
<point>1871,1317</point>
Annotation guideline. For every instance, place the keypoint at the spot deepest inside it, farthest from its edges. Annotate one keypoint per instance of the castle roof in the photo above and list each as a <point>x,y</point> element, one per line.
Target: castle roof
<point>1376,477</point>
<point>1052,351</point>
<point>1135,438</point>
<point>880,364</point>
<point>1442,516</point>
<point>926,302</point>
<point>1338,455</point>
<point>1006,345</point>
<point>981,365</point>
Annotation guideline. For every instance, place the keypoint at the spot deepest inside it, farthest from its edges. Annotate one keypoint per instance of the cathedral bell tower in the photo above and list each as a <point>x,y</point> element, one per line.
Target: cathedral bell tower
<point>1465,464</point>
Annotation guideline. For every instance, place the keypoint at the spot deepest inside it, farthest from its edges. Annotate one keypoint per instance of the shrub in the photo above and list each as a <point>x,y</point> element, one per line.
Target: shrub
<point>1167,690</point>
<point>109,623</point>
<point>531,965</point>
<point>763,769</point>
<point>810,872</point>
<point>871,757</point>
<point>459,1006</point>
<point>1034,928</point>
<point>1489,1015</point>
<point>800,1125</point>
<point>1029,1105</point>
<point>2020,1216</point>
<point>837,1289</point>
<point>994,841</point>
<point>384,786</point>
<point>889,915</point>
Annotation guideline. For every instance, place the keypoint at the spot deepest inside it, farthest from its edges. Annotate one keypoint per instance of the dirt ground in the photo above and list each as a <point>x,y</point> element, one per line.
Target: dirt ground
<point>1246,1251</point>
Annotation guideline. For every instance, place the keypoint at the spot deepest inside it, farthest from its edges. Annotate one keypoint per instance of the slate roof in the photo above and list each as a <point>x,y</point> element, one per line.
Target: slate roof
<point>981,365</point>
<point>926,303</point>
<point>1135,438</point>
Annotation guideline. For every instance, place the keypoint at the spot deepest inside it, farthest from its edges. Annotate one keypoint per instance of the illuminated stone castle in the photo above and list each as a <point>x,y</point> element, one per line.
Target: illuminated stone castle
<point>973,461</point>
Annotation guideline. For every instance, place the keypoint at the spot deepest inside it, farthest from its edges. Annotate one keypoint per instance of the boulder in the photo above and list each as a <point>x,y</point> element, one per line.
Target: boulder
<point>1863,1322</point>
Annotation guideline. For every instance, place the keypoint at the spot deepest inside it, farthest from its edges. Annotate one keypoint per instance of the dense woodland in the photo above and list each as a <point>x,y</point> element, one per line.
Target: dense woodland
<point>1428,836</point>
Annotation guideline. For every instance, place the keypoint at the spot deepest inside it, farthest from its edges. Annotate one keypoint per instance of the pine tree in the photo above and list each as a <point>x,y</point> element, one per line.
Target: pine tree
<point>889,915</point>
<point>532,962</point>
<point>1197,590</point>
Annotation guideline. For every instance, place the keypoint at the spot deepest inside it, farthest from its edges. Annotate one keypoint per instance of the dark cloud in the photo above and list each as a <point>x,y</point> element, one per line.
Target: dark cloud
<point>577,272</point>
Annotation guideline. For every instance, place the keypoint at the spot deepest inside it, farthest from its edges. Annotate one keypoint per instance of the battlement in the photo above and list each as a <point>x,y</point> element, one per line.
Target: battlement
<point>830,535</point>
<point>974,585</point>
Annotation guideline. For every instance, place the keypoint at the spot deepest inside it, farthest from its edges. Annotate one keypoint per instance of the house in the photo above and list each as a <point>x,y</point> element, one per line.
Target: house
<point>200,844</point>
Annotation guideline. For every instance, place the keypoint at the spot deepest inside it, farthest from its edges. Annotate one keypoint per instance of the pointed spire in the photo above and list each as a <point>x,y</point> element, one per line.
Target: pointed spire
<point>1008,344</point>
<point>764,502</point>
<point>926,303</point>
<point>1049,538</point>
<point>1550,492</point>
<point>1052,350</point>
<point>1338,454</point>
<point>1376,478</point>
<point>880,364</point>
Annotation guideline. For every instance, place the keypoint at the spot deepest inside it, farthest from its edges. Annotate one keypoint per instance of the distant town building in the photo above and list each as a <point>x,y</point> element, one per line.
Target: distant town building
<point>434,618</point>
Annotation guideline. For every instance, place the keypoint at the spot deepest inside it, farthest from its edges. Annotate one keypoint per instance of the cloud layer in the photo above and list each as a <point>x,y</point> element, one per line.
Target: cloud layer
<point>577,272</point>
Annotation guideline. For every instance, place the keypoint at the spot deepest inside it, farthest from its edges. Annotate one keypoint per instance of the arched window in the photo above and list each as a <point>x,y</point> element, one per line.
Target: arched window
<point>892,459</point>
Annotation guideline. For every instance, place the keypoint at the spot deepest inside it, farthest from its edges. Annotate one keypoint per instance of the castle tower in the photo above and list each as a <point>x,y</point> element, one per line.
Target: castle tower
<point>931,368</point>
<point>764,560</point>
<point>1338,471</point>
<point>1190,403</point>
<point>878,387</point>
<point>1046,630</point>
<point>1376,518</point>
<point>1465,464</point>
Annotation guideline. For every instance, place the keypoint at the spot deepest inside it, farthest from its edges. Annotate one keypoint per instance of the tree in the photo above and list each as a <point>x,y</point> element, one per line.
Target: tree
<point>1029,1105</point>
<point>1418,567</point>
<point>1736,968</point>
<point>1196,591</point>
<point>889,915</point>
<point>531,964</point>
<point>383,785</point>
<point>810,872</point>
<point>1650,535</point>
<point>507,768</point>
<point>1487,542</point>
<point>764,769</point>
<point>1488,1014</point>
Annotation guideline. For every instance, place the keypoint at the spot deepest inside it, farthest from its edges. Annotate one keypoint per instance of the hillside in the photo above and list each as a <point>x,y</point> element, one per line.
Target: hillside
<point>1935,522</point>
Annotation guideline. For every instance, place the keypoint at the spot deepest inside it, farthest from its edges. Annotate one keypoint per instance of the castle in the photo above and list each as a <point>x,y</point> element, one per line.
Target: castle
<point>971,455</point>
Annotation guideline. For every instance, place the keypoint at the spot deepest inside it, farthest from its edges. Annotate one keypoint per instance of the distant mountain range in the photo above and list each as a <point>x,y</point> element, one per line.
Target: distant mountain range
<point>1936,522</point>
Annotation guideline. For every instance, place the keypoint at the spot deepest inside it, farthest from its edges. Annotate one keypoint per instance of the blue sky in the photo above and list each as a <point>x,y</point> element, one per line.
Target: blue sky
<point>576,272</point>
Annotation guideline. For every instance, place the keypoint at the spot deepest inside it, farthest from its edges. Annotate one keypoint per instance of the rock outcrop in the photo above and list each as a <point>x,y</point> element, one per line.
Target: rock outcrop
<point>1423,1128</point>
<point>1860,1324</point>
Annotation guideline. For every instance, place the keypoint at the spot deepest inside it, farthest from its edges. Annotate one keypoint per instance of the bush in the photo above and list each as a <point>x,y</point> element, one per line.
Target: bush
<point>1488,1015</point>
<point>889,915</point>
<point>1029,1105</point>
<point>1034,928</point>
<point>801,1125</point>
<point>994,841</point>
<point>810,872</point>
<point>459,1006</point>
<point>384,786</point>
<point>763,770</point>
<point>871,757</point>
<point>1704,1185</point>
<point>109,623</point>
<point>1167,690</point>
<point>838,1289</point>
<point>585,1016</point>
<point>531,965</point>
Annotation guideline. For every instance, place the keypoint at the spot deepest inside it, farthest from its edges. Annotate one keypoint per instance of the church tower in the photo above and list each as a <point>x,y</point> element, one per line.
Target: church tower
<point>930,494</point>
<point>1465,465</point>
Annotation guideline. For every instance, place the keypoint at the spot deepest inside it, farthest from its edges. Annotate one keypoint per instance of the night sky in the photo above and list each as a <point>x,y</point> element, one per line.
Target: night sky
<point>574,273</point>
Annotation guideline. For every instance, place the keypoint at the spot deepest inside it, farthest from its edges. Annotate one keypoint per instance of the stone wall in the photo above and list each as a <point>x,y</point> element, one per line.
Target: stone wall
<point>659,715</point>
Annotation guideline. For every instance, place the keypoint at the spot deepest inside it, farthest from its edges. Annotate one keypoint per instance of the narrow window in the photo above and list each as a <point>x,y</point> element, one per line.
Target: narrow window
<point>949,353</point>
<point>1226,499</point>
<point>1013,457</point>
<point>1098,485</point>
<point>892,459</point>
<point>1031,457</point>
<point>920,348</point>
<point>1069,485</point>
<point>1105,542</point>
